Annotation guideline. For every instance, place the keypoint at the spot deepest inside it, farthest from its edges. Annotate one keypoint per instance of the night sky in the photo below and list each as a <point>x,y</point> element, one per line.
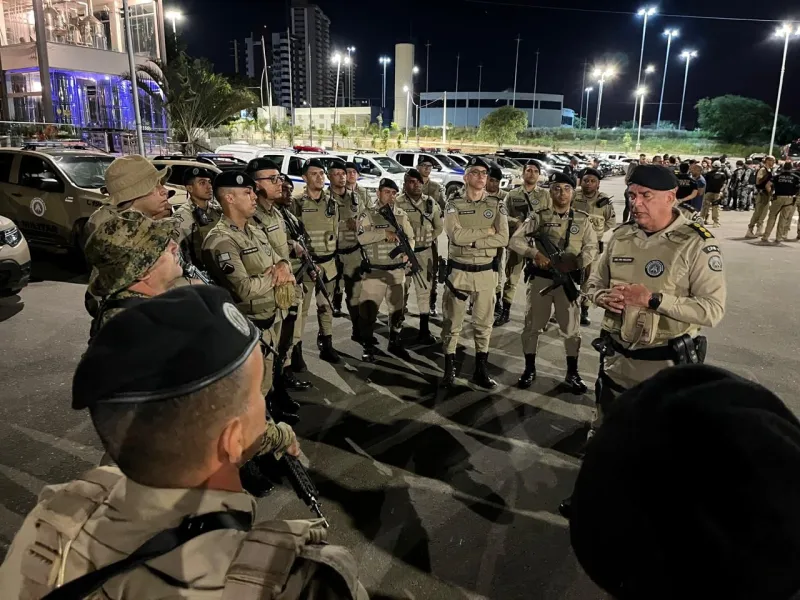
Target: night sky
<point>735,57</point>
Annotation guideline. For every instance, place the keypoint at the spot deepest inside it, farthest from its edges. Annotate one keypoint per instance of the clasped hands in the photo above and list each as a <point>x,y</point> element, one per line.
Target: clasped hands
<point>624,294</point>
<point>281,274</point>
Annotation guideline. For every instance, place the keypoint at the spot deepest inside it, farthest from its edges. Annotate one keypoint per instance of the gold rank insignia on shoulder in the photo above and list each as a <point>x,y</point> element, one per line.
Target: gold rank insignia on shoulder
<point>701,230</point>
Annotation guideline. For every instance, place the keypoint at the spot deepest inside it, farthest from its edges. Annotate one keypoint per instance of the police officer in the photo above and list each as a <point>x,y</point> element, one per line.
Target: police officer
<point>716,179</point>
<point>197,216</point>
<point>787,186</point>
<point>763,197</point>
<point>384,275</point>
<point>348,257</point>
<point>589,199</point>
<point>476,225</point>
<point>178,426</point>
<point>352,184</point>
<point>434,190</point>
<point>425,217</point>
<point>687,192</point>
<point>270,220</point>
<point>659,280</point>
<point>735,187</point>
<point>241,259</point>
<point>520,202</point>
<point>319,213</point>
<point>571,230</point>
<point>493,189</point>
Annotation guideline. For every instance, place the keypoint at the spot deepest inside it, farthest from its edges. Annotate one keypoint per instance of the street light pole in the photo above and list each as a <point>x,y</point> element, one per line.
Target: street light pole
<point>174,16</point>
<point>384,60</point>
<point>645,12</point>
<point>786,32</point>
<point>601,75</point>
<point>688,55</point>
<point>588,94</point>
<point>455,97</point>
<point>480,81</point>
<point>670,33</point>
<point>337,58</point>
<point>134,85</point>
<point>310,124</point>
<point>535,81</point>
<point>414,72</point>
<point>516,63</point>
<point>408,100</point>
<point>640,93</point>
<point>269,91</point>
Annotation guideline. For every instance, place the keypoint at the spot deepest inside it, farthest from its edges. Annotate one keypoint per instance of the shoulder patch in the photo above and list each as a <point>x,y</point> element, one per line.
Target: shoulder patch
<point>701,230</point>
<point>711,248</point>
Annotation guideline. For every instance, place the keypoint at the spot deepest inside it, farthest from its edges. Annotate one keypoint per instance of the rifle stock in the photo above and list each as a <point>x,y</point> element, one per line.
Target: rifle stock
<point>404,246</point>
<point>560,279</point>
<point>307,265</point>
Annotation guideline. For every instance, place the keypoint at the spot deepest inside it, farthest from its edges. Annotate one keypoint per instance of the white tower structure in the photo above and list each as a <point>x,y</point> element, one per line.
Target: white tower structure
<point>403,76</point>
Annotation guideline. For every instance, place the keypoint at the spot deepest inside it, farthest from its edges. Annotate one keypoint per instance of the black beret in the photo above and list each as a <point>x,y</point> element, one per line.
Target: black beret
<point>194,172</point>
<point>655,177</point>
<point>352,165</point>
<point>288,181</point>
<point>261,164</point>
<point>561,177</point>
<point>495,172</point>
<point>415,174</point>
<point>591,171</point>
<point>426,160</point>
<point>233,179</point>
<point>690,490</point>
<point>388,183</point>
<point>313,162</point>
<point>533,163</point>
<point>337,163</point>
<point>477,161</point>
<point>165,347</point>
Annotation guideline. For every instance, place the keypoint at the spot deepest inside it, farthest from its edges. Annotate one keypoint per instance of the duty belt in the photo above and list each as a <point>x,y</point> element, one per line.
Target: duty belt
<point>471,268</point>
<point>264,324</point>
<point>387,267</point>
<point>323,258</point>
<point>421,249</point>
<point>649,354</point>
<point>341,251</point>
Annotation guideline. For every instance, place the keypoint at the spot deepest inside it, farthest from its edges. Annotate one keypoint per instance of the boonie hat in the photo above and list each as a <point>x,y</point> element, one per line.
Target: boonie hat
<point>131,177</point>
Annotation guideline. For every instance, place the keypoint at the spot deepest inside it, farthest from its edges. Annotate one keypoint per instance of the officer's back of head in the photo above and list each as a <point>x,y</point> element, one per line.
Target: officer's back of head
<point>173,388</point>
<point>691,490</point>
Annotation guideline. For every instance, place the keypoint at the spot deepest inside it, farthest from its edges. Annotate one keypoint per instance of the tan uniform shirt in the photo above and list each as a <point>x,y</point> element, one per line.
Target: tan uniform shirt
<point>573,232</point>
<point>603,218</point>
<point>321,220</point>
<point>434,190</point>
<point>425,217</point>
<point>349,207</point>
<point>194,223</point>
<point>682,262</point>
<point>521,202</point>
<point>238,259</point>
<point>271,223</point>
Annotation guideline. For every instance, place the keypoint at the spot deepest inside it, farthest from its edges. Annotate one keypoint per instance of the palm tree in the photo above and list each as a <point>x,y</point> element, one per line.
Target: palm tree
<point>196,98</point>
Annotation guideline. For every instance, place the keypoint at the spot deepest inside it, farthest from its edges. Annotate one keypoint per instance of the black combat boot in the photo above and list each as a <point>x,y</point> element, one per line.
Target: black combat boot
<point>573,378</point>
<point>449,378</point>
<point>279,409</point>
<point>291,382</point>
<point>529,374</point>
<point>337,303</point>
<point>396,345</point>
<point>498,304</point>
<point>481,376</point>
<point>425,338</point>
<point>327,352</point>
<point>298,364</point>
<point>585,321</point>
<point>368,354</point>
<point>504,316</point>
<point>432,306</point>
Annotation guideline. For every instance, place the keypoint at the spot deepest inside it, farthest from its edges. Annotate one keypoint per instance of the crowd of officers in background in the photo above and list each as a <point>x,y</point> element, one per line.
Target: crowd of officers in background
<point>711,185</point>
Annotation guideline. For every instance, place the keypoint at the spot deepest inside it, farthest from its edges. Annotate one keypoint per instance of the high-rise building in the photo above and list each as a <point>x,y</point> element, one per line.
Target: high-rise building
<point>311,30</point>
<point>287,82</point>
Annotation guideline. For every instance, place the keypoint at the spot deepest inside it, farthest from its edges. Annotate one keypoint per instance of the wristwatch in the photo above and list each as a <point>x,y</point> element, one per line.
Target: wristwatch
<point>655,301</point>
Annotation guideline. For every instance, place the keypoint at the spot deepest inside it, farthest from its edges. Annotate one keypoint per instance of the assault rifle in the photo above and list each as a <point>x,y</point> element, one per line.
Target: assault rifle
<point>299,234</point>
<point>560,279</point>
<point>404,246</point>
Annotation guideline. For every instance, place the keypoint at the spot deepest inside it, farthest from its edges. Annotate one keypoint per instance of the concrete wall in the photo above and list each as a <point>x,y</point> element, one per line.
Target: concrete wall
<point>403,66</point>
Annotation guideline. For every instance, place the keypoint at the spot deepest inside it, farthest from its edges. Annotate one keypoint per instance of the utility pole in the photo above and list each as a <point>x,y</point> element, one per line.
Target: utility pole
<point>535,81</point>
<point>583,87</point>
<point>516,64</point>
<point>427,64</point>
<point>455,99</point>
<point>480,78</point>
<point>269,91</point>
<point>236,56</point>
<point>444,120</point>
<point>308,91</point>
<point>131,66</point>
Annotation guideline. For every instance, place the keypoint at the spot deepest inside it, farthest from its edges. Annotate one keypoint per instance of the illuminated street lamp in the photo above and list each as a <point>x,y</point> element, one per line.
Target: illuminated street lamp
<point>785,31</point>
<point>337,59</point>
<point>601,74</point>
<point>686,55</point>
<point>408,101</point>
<point>384,60</point>
<point>640,94</point>
<point>646,11</point>
<point>174,15</point>
<point>670,33</point>
<point>588,93</point>
<point>348,62</point>
<point>414,73</point>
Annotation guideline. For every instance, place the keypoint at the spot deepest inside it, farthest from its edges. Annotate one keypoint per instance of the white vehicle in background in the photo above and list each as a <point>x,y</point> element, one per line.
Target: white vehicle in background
<point>446,171</point>
<point>372,168</point>
<point>289,161</point>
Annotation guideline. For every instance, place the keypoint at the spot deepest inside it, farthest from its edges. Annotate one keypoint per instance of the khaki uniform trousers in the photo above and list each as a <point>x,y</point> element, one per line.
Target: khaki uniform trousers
<point>269,337</point>
<point>502,258</point>
<point>324,314</point>
<point>453,309</point>
<point>292,328</point>
<point>711,204</point>
<point>351,276</point>
<point>430,270</point>
<point>377,286</point>
<point>760,210</point>
<point>515,264</point>
<point>537,313</point>
<point>781,210</point>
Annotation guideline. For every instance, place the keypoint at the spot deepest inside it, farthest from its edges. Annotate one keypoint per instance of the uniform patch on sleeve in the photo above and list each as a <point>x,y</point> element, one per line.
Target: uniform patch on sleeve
<point>710,249</point>
<point>715,263</point>
<point>488,213</point>
<point>503,209</point>
<point>451,209</point>
<point>574,229</point>
<point>224,256</point>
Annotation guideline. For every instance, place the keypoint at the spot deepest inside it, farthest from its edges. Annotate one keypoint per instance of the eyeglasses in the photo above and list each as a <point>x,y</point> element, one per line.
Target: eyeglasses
<point>560,188</point>
<point>273,179</point>
<point>479,173</point>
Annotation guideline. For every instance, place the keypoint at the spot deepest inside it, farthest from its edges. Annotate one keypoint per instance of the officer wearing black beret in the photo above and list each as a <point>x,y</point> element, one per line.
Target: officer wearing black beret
<point>660,280</point>
<point>261,164</point>
<point>172,388</point>
<point>433,189</point>
<point>477,226</point>
<point>570,230</point>
<point>319,213</point>
<point>597,204</point>
<point>197,216</point>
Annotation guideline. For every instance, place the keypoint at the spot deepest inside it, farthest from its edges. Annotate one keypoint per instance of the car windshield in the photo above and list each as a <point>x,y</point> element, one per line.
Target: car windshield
<point>461,160</point>
<point>447,161</point>
<point>512,163</point>
<point>389,164</point>
<point>86,171</point>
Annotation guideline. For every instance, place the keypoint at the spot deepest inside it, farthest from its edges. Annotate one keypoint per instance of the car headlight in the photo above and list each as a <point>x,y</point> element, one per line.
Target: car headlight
<point>12,237</point>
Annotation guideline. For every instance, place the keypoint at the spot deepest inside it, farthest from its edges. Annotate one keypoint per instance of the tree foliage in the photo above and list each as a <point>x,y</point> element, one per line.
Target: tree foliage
<point>502,126</point>
<point>735,118</point>
<point>196,98</point>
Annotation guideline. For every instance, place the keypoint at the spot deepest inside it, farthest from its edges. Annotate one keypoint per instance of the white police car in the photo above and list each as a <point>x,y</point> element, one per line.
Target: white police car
<point>445,170</point>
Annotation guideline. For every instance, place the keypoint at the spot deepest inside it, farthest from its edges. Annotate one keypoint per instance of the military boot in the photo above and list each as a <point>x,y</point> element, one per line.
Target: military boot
<point>529,374</point>
<point>585,321</point>
<point>327,352</point>
<point>396,345</point>
<point>425,338</point>
<point>298,364</point>
<point>449,378</point>
<point>337,303</point>
<point>750,234</point>
<point>498,304</point>
<point>481,375</point>
<point>368,354</point>
<point>279,409</point>
<point>432,307</point>
<point>291,382</point>
<point>573,378</point>
<point>505,315</point>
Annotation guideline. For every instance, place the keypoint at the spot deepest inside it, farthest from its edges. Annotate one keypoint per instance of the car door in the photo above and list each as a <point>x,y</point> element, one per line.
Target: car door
<point>406,159</point>
<point>368,168</point>
<point>43,215</point>
<point>9,203</point>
